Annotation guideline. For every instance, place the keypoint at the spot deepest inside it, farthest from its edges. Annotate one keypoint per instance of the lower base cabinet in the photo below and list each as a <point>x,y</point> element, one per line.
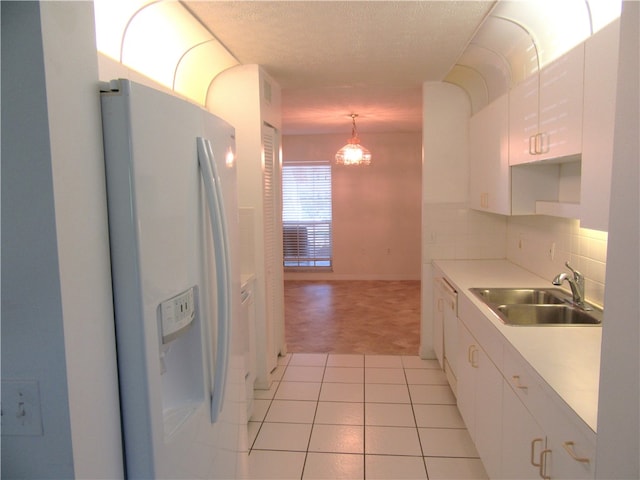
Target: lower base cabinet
<point>520,429</point>
<point>573,452</point>
<point>479,394</point>
<point>531,451</point>
<point>523,440</point>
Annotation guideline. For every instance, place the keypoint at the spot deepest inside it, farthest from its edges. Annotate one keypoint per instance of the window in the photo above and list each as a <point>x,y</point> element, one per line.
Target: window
<point>306,214</point>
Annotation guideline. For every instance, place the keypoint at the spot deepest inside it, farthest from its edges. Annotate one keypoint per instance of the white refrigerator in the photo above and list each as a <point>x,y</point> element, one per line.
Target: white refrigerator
<point>173,229</point>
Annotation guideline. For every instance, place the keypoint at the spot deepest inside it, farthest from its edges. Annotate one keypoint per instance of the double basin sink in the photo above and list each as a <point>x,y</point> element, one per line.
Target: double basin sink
<point>537,306</point>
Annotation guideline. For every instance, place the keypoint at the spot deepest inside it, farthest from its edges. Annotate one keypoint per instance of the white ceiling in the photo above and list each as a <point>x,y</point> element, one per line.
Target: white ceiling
<point>334,58</point>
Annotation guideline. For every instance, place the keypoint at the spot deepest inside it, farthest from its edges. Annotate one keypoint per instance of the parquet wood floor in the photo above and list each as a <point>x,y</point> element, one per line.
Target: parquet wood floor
<point>368,317</point>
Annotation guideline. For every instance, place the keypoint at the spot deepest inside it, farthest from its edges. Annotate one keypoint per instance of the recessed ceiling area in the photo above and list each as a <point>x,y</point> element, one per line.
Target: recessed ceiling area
<point>334,58</point>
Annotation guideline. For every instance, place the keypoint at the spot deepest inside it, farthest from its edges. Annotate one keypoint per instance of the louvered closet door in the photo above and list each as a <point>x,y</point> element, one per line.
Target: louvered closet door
<point>274,292</point>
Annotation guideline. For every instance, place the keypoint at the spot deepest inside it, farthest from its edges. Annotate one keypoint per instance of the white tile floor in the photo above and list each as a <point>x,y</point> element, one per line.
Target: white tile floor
<point>333,416</point>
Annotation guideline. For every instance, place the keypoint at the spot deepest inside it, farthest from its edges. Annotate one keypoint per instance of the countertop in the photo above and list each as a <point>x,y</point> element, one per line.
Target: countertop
<point>567,358</point>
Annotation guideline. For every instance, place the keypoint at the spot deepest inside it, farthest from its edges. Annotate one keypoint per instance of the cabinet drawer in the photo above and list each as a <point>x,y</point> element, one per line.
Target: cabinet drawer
<point>485,333</point>
<point>525,382</point>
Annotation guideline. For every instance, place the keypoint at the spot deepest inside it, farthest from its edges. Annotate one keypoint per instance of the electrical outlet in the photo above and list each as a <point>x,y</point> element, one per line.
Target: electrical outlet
<point>21,408</point>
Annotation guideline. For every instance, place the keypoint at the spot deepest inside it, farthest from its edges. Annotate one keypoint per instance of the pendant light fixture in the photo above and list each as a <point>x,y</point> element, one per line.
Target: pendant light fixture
<point>353,153</point>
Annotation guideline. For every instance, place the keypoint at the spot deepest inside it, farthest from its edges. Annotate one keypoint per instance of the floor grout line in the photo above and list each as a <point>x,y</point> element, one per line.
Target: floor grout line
<point>364,426</point>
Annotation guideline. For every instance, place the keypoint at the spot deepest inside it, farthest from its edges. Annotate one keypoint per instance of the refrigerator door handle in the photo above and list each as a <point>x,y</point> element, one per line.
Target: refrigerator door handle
<point>219,233</point>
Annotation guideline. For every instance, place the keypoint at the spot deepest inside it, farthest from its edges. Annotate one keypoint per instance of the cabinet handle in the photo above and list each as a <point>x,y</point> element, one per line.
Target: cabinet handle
<point>538,143</point>
<point>471,357</point>
<point>541,145</point>
<point>532,144</point>
<point>484,200</point>
<point>516,382</point>
<point>568,446</point>
<point>543,464</point>
<point>533,451</point>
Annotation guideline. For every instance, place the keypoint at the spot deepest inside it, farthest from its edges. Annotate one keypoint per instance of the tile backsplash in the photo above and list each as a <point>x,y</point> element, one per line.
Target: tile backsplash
<point>540,244</point>
<point>543,244</point>
<point>452,231</point>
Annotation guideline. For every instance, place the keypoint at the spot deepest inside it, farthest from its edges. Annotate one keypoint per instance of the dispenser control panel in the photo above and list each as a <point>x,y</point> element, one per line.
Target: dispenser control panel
<point>177,314</point>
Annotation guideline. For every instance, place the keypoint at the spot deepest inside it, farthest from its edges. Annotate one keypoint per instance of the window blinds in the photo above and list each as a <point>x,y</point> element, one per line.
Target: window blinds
<point>306,214</point>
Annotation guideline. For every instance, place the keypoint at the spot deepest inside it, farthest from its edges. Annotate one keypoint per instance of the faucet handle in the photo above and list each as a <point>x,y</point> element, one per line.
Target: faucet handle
<point>576,274</point>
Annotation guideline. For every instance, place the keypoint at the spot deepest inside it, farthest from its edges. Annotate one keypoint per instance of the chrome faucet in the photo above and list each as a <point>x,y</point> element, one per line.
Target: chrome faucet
<point>576,283</point>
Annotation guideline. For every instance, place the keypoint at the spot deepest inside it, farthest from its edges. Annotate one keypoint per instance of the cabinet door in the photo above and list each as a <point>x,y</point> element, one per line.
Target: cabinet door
<point>573,445</point>
<point>488,418</point>
<point>489,181</point>
<point>523,440</point>
<point>480,399</point>
<point>523,121</point>
<point>560,114</point>
<point>600,77</point>
<point>451,333</point>
<point>438,321</point>
<point>545,111</point>
<point>468,350</point>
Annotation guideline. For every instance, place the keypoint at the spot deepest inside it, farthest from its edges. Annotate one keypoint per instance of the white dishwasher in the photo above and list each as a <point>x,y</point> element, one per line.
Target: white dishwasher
<point>450,296</point>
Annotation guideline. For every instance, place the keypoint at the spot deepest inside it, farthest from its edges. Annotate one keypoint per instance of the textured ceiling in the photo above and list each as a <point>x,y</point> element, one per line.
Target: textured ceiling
<point>333,58</point>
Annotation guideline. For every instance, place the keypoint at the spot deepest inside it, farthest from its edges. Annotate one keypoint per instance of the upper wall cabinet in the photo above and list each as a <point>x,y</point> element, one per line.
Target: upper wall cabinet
<point>601,66</point>
<point>489,184</point>
<point>545,111</point>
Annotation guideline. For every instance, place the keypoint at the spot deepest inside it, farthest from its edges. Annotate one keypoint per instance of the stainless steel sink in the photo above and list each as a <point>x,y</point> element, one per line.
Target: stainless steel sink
<point>537,306</point>
<point>534,296</point>
<point>547,315</point>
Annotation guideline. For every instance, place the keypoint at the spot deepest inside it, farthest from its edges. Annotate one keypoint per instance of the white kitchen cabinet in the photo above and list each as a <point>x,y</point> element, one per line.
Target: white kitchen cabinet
<point>523,120</point>
<point>561,97</point>
<point>545,111</point>
<point>523,440</point>
<point>600,77</point>
<point>445,327</point>
<point>489,180</point>
<point>480,399</point>
<point>466,398</point>
<point>438,320</point>
<point>572,446</point>
<point>519,425</point>
<point>542,437</point>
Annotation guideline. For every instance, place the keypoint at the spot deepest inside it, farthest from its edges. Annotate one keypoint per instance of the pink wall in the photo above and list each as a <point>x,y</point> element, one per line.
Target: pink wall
<point>376,209</point>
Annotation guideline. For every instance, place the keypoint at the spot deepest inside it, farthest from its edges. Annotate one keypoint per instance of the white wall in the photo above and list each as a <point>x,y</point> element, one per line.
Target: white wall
<point>619,412</point>
<point>239,96</point>
<point>376,208</point>
<point>450,230</point>
<point>57,320</point>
